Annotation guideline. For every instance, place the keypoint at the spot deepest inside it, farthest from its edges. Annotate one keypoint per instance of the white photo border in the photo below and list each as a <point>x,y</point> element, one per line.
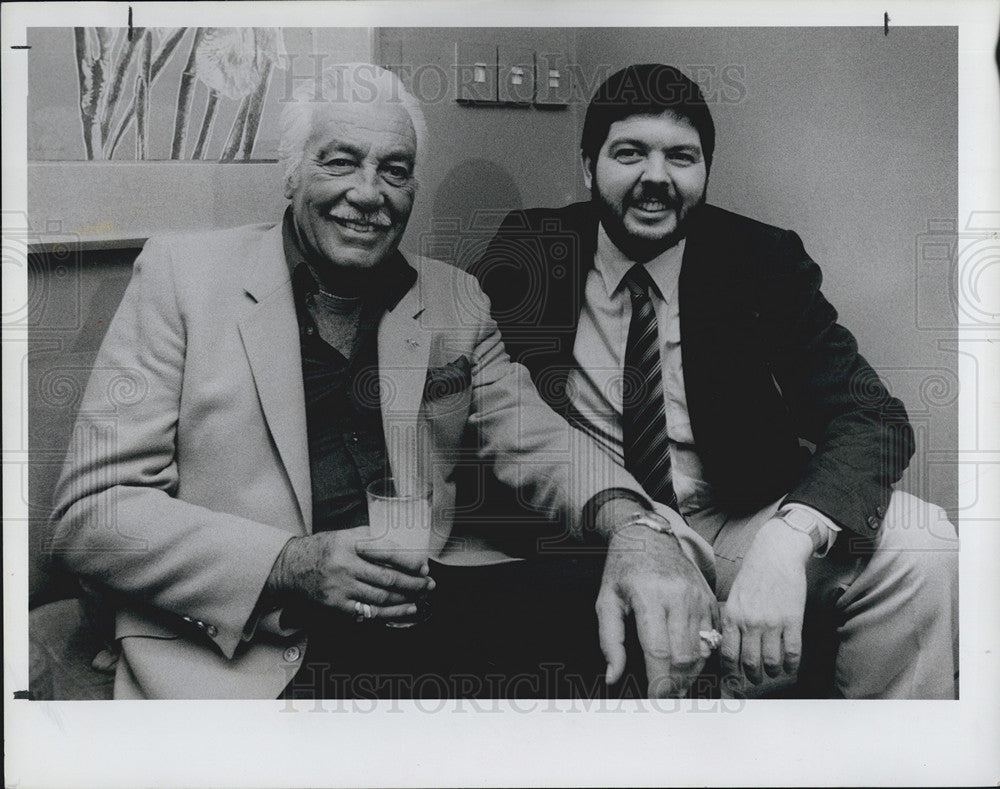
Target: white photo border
<point>222,744</point>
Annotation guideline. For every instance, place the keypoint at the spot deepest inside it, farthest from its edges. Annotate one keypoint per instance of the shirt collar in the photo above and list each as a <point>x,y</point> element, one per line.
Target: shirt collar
<point>395,276</point>
<point>612,264</point>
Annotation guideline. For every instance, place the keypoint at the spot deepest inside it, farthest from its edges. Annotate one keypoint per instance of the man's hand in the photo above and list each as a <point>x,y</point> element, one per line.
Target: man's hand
<point>339,569</point>
<point>647,574</point>
<point>762,620</point>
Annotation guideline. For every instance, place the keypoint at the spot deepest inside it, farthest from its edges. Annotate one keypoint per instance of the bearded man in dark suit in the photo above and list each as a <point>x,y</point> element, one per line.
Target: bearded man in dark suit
<point>696,346</point>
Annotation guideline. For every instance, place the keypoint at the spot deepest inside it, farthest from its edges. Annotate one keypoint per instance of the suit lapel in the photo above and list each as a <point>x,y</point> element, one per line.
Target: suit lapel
<point>563,314</point>
<point>403,352</point>
<point>271,341</point>
<point>582,222</point>
<point>717,324</point>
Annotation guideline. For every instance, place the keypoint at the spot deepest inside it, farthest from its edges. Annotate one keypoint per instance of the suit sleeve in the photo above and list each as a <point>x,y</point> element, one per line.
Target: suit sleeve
<point>119,520</point>
<point>512,274</point>
<point>529,446</point>
<point>556,469</point>
<point>862,436</point>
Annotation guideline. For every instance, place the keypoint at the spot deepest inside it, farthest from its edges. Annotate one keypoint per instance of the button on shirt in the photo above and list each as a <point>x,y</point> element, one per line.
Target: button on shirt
<point>595,382</point>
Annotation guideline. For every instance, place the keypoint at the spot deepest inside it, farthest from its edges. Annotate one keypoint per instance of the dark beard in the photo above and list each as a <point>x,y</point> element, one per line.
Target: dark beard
<point>641,250</point>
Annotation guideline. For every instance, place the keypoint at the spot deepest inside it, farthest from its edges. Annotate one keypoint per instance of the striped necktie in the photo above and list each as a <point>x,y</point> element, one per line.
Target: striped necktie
<point>644,421</point>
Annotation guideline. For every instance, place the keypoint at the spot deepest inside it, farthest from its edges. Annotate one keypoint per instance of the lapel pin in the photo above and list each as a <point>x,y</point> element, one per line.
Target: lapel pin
<point>412,343</point>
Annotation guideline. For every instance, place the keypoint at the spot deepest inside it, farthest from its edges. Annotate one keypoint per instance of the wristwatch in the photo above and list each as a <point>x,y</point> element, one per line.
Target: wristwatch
<point>803,522</point>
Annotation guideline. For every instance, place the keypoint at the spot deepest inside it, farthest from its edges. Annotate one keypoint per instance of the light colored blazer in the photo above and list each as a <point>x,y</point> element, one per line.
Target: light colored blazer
<point>188,469</point>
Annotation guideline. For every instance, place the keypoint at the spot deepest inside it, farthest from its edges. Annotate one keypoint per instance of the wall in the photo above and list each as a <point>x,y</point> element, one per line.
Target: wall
<point>483,160</point>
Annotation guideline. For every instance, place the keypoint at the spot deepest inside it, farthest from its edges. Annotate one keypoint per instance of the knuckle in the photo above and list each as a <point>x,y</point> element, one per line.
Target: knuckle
<point>752,622</point>
<point>656,651</point>
<point>685,663</point>
<point>641,601</point>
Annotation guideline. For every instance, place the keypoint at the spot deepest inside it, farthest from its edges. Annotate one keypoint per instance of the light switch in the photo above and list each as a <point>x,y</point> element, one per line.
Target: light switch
<point>476,72</point>
<point>515,74</point>
<point>554,78</point>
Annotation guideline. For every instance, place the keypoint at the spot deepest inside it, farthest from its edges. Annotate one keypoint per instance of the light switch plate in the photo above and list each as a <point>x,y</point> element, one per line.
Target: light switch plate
<point>476,72</point>
<point>554,80</point>
<point>515,74</point>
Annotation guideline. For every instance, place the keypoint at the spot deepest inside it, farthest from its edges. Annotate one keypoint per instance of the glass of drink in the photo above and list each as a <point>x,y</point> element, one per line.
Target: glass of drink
<point>400,516</point>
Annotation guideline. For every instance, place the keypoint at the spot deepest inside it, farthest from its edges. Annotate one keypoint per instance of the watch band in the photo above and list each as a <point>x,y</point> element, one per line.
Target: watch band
<point>802,522</point>
<point>650,520</point>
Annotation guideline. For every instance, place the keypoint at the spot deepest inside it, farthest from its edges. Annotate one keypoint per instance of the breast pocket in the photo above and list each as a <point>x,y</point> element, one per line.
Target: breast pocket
<point>447,398</point>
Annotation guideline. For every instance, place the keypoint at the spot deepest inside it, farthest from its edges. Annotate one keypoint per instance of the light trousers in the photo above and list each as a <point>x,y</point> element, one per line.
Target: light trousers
<point>881,617</point>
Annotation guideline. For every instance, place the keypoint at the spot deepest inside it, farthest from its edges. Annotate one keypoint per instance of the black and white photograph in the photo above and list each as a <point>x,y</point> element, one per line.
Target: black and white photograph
<point>501,394</point>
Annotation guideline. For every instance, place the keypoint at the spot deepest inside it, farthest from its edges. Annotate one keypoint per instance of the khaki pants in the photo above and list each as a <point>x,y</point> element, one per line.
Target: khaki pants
<point>880,623</point>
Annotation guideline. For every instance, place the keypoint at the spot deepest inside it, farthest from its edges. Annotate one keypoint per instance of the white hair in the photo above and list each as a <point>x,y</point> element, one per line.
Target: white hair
<point>340,84</point>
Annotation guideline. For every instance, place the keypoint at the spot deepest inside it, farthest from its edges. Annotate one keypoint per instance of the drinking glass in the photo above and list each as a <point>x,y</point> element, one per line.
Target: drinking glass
<point>401,515</point>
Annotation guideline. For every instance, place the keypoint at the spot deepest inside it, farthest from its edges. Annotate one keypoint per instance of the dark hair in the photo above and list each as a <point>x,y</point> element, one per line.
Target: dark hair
<point>647,89</point>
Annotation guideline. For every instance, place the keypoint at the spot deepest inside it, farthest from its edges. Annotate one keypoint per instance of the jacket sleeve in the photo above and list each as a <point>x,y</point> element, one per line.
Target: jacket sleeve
<point>530,448</point>
<point>119,520</point>
<point>862,436</point>
<point>556,469</point>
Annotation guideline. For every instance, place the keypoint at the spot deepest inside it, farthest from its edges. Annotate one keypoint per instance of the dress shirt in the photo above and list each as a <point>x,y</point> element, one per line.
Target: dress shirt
<point>595,382</point>
<point>340,375</point>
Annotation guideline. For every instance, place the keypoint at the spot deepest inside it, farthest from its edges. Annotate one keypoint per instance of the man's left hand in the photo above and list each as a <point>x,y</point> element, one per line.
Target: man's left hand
<point>762,620</point>
<point>649,575</point>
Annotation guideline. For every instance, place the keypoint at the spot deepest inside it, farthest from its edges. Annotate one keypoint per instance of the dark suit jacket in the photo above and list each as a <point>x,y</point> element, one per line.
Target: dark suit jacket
<point>767,368</point>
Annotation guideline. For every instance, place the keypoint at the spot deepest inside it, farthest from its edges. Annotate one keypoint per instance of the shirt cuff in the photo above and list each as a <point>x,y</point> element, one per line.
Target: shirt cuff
<point>268,616</point>
<point>827,527</point>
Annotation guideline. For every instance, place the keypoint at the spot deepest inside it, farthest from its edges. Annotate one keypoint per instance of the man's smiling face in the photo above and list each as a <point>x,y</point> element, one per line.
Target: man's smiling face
<point>353,190</point>
<point>649,177</point>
